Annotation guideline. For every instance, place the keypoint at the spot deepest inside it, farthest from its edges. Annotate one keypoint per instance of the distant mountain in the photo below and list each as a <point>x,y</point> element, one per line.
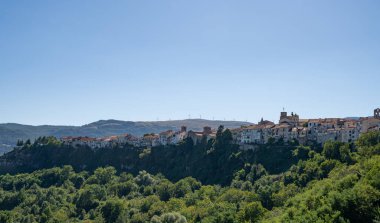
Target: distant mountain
<point>11,132</point>
<point>353,118</point>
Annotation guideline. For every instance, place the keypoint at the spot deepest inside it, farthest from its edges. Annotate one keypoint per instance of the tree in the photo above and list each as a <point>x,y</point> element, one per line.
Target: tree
<point>27,142</point>
<point>302,152</point>
<point>219,132</point>
<point>172,217</point>
<point>6,217</point>
<point>227,136</point>
<point>112,210</point>
<point>164,190</point>
<point>223,139</point>
<point>89,197</point>
<point>144,179</point>
<point>19,143</point>
<point>369,143</point>
<point>181,188</point>
<point>337,150</point>
<point>252,212</point>
<point>256,172</point>
<point>104,175</point>
<point>368,139</point>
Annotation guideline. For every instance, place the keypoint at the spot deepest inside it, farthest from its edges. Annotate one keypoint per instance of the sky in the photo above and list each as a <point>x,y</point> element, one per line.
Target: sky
<point>74,62</point>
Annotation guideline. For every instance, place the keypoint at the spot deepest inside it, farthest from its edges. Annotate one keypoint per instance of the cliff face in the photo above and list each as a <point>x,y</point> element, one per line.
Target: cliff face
<point>208,162</point>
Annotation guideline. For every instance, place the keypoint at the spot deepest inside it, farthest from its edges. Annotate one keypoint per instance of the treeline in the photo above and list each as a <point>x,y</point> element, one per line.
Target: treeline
<point>339,183</point>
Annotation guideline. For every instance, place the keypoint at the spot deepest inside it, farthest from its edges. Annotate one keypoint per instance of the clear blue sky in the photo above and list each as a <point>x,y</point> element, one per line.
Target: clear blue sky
<point>73,62</point>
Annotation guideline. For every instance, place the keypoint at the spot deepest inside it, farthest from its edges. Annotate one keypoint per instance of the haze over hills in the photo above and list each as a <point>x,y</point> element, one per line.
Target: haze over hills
<point>11,132</point>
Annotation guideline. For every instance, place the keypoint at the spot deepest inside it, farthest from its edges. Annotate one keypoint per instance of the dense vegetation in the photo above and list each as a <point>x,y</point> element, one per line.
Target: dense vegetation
<point>339,183</point>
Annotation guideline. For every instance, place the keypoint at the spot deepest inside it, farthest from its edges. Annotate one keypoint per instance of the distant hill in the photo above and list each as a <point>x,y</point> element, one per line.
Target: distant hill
<point>354,118</point>
<point>11,132</point>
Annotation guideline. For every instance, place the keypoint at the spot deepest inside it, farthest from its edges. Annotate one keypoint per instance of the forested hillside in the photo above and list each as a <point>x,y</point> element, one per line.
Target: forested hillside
<point>211,162</point>
<point>210,182</point>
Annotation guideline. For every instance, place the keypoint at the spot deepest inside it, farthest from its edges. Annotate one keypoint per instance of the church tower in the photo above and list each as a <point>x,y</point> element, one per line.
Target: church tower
<point>376,113</point>
<point>283,115</point>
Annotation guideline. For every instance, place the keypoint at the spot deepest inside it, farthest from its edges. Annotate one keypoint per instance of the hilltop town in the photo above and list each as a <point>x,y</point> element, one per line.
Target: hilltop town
<point>289,128</point>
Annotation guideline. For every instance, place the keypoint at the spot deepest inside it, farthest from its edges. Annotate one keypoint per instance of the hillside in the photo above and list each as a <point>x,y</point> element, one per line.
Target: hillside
<point>212,182</point>
<point>208,162</point>
<point>10,132</point>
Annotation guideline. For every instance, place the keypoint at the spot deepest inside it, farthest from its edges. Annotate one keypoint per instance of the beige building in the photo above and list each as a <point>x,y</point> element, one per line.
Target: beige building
<point>371,123</point>
<point>197,137</point>
<point>292,119</point>
<point>251,134</point>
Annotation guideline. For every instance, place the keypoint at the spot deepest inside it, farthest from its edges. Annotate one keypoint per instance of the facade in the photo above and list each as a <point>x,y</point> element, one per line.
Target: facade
<point>369,123</point>
<point>236,135</point>
<point>171,137</point>
<point>292,119</point>
<point>206,134</point>
<point>164,137</point>
<point>251,134</point>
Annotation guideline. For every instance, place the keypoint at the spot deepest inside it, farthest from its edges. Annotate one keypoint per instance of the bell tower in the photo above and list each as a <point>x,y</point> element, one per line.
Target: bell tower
<point>283,115</point>
<point>376,113</point>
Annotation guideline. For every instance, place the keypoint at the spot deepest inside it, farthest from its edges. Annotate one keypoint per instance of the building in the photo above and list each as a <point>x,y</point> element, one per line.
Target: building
<point>349,134</point>
<point>150,140</point>
<point>268,132</point>
<point>128,139</point>
<point>292,119</point>
<point>179,135</point>
<point>164,137</point>
<point>282,131</point>
<point>250,134</point>
<point>376,113</point>
<point>171,137</point>
<point>80,141</point>
<point>371,123</point>
<point>236,135</point>
<point>206,134</point>
<point>263,122</point>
